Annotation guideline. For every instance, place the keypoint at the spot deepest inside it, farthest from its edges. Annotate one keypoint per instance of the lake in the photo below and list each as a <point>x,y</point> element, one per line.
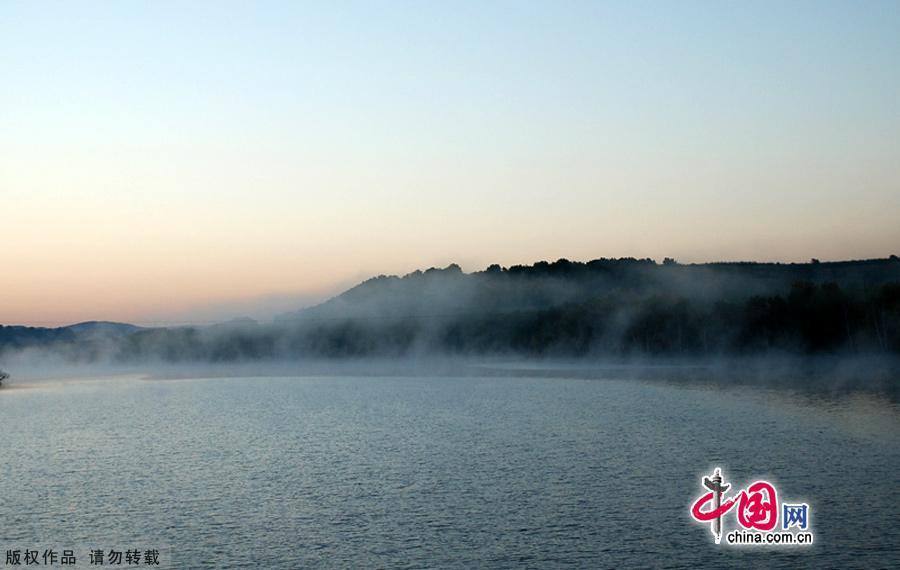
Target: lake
<point>497,471</point>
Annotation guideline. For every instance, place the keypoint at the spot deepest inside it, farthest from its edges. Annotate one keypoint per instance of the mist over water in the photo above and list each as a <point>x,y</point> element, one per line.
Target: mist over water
<point>844,315</point>
<point>552,415</point>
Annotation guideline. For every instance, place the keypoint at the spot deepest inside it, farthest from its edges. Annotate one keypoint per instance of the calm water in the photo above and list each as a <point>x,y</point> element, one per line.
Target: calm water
<point>435,472</point>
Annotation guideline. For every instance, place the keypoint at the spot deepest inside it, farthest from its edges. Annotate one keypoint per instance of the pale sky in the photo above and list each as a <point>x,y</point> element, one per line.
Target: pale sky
<point>190,161</point>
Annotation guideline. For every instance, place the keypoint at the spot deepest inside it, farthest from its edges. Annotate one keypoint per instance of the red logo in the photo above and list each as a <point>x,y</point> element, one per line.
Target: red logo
<point>757,505</point>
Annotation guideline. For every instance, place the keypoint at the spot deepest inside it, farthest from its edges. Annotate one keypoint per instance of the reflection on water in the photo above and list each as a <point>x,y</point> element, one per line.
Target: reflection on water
<point>444,472</point>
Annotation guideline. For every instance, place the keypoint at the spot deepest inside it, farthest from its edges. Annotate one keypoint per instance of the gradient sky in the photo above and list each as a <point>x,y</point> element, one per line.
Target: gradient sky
<point>190,161</point>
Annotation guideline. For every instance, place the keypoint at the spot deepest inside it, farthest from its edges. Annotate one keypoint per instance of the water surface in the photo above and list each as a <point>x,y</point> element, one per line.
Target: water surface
<point>502,472</point>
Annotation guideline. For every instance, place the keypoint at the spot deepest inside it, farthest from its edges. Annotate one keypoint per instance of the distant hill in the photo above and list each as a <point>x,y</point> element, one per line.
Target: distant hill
<point>615,307</point>
<point>446,292</point>
<point>102,328</point>
<point>16,337</point>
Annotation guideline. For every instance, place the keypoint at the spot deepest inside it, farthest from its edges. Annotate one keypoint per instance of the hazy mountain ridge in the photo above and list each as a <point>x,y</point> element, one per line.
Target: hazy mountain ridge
<point>13,336</point>
<point>442,292</point>
<point>606,307</point>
